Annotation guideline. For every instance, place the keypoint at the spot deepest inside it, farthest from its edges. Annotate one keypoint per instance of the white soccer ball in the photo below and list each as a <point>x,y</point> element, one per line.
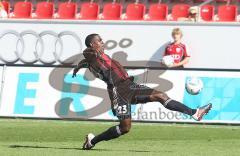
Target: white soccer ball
<point>194,85</point>
<point>168,60</point>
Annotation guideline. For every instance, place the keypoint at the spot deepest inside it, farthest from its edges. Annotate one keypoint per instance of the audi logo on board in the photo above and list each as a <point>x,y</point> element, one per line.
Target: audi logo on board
<point>39,48</point>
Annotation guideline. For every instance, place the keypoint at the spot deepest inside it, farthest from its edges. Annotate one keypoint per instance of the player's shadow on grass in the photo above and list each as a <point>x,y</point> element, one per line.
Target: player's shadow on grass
<point>29,146</point>
<point>103,150</point>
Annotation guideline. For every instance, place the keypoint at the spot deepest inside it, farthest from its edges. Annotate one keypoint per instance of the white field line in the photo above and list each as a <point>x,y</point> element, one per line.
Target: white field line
<point>113,123</point>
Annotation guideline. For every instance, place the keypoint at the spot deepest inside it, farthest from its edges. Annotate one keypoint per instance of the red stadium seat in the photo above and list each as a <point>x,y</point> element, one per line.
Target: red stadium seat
<point>176,1</point>
<point>89,11</point>
<point>6,6</point>
<point>227,13</point>
<point>67,10</point>
<point>112,11</point>
<point>207,12</point>
<point>22,10</point>
<point>158,12</point>
<point>198,1</point>
<point>223,1</point>
<point>135,11</point>
<point>180,10</point>
<point>44,10</point>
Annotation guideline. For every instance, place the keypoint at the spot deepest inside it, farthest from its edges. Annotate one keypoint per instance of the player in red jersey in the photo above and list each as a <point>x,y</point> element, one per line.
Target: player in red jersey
<point>177,49</point>
<point>123,91</point>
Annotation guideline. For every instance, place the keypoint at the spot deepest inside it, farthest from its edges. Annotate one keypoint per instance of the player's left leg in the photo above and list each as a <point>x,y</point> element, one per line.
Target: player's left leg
<point>120,108</point>
<point>112,133</point>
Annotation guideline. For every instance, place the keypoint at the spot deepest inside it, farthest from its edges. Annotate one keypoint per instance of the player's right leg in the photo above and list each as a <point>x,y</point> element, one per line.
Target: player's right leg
<point>111,133</point>
<point>145,94</point>
<point>174,105</point>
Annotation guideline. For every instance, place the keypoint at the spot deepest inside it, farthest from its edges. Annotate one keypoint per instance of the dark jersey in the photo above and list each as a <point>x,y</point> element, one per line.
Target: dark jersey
<point>103,67</point>
<point>121,88</point>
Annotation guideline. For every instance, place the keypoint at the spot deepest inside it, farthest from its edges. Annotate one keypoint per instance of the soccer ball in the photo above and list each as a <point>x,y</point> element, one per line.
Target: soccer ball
<point>168,60</point>
<point>194,85</point>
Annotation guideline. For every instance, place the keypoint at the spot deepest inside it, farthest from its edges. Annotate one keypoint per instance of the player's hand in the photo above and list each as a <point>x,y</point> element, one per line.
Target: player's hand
<point>131,78</point>
<point>75,70</point>
<point>174,65</point>
<point>81,64</point>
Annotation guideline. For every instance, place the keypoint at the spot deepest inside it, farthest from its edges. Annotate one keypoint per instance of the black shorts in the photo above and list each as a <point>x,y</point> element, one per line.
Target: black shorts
<point>123,95</point>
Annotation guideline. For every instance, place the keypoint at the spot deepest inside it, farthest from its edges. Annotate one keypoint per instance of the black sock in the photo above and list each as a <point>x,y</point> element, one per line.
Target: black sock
<point>111,133</point>
<point>178,106</point>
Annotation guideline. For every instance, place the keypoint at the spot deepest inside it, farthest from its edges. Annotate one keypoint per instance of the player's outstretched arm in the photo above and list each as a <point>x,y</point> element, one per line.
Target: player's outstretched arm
<point>82,64</point>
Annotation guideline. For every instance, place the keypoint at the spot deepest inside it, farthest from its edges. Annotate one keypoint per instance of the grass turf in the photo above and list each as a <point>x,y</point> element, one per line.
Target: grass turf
<point>59,138</point>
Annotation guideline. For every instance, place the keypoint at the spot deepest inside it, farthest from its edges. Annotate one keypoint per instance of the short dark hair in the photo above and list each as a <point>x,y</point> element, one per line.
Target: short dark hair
<point>89,39</point>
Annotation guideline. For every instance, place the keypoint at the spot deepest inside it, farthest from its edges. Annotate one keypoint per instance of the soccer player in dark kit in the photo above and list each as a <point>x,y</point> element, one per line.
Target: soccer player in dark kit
<point>123,91</point>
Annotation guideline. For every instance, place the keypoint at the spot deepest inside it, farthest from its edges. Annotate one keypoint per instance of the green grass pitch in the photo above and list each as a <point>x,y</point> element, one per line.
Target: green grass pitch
<point>23,137</point>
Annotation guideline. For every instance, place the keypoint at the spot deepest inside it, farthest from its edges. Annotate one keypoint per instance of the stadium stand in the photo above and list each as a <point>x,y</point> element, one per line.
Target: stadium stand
<point>66,10</point>
<point>44,10</point>
<point>179,10</point>
<point>111,11</point>
<point>6,6</point>
<point>134,11</point>
<point>207,12</point>
<point>227,13</point>
<point>217,10</point>
<point>89,11</point>
<point>22,9</point>
<point>157,12</point>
